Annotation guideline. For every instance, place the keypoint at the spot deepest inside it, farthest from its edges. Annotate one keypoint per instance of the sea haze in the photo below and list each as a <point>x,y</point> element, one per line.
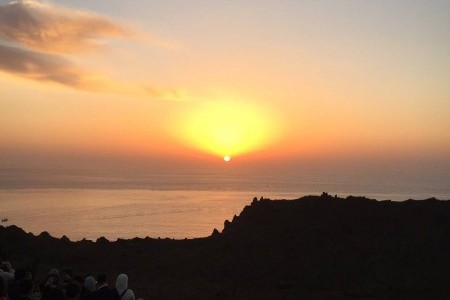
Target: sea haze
<point>120,204</point>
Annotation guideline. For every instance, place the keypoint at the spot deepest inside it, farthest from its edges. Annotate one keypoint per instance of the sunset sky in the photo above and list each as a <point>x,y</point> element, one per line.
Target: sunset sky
<point>171,83</point>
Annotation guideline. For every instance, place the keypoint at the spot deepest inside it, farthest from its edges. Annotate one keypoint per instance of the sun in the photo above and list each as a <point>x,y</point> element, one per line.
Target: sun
<point>227,128</point>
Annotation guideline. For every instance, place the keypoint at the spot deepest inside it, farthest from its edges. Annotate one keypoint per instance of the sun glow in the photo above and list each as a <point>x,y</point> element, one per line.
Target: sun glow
<point>227,128</point>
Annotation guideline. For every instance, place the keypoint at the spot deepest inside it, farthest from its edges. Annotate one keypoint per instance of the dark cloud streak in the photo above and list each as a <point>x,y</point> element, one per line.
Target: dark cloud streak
<point>44,67</point>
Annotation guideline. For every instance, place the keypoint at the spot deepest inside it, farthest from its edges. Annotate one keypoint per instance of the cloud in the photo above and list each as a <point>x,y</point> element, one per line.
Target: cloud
<point>174,94</point>
<point>45,67</point>
<point>47,28</point>
<point>48,67</point>
<point>38,40</point>
<point>35,38</point>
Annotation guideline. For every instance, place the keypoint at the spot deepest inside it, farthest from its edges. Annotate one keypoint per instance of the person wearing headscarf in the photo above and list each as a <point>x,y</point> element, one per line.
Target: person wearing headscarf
<point>122,288</point>
<point>88,288</point>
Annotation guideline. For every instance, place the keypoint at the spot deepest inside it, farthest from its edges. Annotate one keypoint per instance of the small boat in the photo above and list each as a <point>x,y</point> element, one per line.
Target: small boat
<point>4,220</point>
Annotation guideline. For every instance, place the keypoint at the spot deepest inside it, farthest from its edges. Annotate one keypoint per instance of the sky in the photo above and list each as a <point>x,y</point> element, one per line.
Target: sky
<point>181,84</point>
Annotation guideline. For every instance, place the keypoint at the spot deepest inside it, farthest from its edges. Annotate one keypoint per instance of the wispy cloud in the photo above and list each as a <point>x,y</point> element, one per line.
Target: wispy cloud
<point>47,28</point>
<point>38,41</point>
<point>45,67</point>
<point>36,38</point>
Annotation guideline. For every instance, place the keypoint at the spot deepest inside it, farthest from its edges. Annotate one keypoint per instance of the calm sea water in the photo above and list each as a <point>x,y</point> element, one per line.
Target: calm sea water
<point>89,205</point>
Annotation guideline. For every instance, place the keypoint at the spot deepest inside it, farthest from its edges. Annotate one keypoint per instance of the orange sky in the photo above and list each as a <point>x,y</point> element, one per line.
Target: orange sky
<point>265,82</point>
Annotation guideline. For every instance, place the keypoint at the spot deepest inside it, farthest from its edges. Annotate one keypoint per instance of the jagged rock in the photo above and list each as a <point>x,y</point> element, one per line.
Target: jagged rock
<point>102,240</point>
<point>226,224</point>
<point>45,235</point>
<point>65,239</point>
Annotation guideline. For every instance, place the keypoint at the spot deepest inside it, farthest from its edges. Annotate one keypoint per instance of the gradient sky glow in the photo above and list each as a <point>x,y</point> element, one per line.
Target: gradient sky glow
<point>175,82</point>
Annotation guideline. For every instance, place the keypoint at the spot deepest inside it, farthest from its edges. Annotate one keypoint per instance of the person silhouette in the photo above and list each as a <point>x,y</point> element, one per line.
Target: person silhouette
<point>104,292</point>
<point>122,288</point>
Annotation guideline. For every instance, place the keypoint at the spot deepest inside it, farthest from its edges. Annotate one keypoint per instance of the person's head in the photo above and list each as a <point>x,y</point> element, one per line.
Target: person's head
<point>26,287</point>
<point>5,266</point>
<point>53,277</point>
<point>101,279</point>
<point>89,284</point>
<point>122,283</point>
<point>72,290</point>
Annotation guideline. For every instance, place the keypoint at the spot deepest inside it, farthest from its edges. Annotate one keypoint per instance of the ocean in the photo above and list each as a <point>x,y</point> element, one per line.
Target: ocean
<point>81,204</point>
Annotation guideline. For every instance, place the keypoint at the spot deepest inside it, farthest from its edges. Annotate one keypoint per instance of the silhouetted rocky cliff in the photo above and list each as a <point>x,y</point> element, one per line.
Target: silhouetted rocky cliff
<point>316,247</point>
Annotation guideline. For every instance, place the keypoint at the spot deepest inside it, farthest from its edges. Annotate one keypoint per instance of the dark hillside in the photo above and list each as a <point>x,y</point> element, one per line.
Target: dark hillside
<point>309,248</point>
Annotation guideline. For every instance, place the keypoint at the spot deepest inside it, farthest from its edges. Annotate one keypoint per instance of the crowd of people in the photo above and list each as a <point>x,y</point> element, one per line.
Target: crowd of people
<point>60,285</point>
